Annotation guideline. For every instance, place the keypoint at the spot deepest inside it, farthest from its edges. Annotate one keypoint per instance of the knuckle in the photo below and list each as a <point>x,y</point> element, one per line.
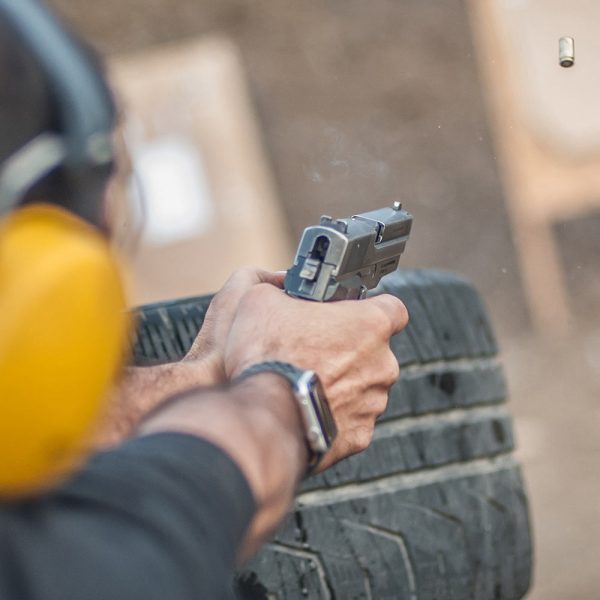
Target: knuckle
<point>362,438</point>
<point>245,271</point>
<point>392,370</point>
<point>396,312</point>
<point>379,319</point>
<point>239,275</point>
<point>379,405</point>
<point>218,299</point>
<point>404,317</point>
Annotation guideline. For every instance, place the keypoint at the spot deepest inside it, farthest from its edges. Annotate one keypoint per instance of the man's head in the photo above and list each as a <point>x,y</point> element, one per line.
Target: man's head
<point>63,327</point>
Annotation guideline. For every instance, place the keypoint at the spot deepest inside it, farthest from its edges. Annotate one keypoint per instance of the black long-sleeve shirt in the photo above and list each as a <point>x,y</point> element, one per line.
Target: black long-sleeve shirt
<point>161,517</point>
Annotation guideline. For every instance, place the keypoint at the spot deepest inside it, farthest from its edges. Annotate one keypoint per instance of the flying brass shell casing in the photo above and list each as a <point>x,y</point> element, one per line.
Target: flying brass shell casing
<point>566,52</point>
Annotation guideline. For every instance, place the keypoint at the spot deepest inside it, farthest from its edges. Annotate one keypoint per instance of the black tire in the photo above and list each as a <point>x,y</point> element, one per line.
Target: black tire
<point>435,508</point>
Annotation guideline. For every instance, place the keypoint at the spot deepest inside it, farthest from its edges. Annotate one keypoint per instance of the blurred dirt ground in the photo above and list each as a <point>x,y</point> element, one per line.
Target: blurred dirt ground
<point>362,103</point>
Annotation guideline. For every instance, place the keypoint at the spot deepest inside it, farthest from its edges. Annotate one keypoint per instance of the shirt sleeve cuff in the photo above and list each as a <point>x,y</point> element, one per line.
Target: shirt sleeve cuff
<point>183,485</point>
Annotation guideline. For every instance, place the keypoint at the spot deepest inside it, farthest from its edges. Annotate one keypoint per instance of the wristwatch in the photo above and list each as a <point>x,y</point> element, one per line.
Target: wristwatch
<point>318,421</point>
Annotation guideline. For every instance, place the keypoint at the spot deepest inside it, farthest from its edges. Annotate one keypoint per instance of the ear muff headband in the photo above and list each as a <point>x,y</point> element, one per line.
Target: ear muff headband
<point>63,327</point>
<point>85,106</point>
<point>84,101</point>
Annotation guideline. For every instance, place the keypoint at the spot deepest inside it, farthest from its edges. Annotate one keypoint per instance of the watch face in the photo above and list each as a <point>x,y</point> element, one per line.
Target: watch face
<point>323,412</point>
<point>320,425</point>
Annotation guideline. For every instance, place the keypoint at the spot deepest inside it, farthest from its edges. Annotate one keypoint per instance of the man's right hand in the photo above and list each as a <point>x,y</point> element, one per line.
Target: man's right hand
<point>346,343</point>
<point>256,420</point>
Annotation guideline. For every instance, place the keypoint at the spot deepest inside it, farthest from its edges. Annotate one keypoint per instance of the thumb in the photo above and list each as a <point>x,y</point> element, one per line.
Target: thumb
<point>275,278</point>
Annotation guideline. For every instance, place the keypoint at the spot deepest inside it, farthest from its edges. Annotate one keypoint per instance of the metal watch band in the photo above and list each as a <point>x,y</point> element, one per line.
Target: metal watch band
<point>310,412</point>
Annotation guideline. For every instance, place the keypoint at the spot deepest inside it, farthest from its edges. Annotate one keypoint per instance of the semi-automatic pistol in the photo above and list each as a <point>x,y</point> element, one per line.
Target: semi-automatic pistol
<point>340,259</point>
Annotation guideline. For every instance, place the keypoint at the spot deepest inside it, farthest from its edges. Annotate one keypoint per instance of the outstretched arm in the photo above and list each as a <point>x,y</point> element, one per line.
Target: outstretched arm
<point>212,471</point>
<point>257,421</point>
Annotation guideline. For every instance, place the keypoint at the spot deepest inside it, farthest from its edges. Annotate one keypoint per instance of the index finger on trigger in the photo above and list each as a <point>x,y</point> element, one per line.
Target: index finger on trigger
<point>395,310</point>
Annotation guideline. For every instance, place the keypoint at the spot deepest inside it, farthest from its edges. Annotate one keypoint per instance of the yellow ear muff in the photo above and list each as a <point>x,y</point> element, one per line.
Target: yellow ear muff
<point>63,332</point>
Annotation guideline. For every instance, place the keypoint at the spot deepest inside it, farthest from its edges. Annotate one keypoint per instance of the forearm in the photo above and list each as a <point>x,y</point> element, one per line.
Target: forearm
<point>258,424</point>
<point>142,390</point>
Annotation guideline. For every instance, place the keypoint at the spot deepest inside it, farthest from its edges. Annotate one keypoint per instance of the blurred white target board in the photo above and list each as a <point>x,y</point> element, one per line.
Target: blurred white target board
<point>209,200</point>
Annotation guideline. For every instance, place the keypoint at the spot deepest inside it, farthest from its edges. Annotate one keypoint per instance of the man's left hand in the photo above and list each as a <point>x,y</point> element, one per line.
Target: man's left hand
<point>209,347</point>
<point>143,389</point>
